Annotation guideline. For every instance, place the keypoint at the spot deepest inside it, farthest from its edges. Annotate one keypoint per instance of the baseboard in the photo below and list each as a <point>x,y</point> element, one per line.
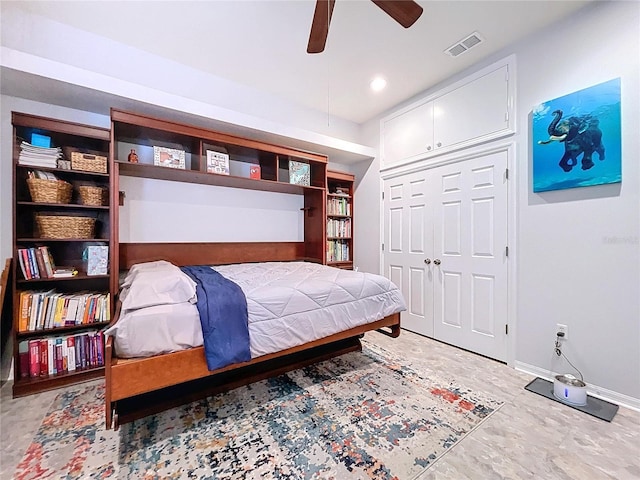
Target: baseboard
<point>593,390</point>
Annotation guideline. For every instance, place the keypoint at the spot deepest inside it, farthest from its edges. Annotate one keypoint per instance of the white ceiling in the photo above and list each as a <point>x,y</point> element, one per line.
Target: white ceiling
<point>262,44</point>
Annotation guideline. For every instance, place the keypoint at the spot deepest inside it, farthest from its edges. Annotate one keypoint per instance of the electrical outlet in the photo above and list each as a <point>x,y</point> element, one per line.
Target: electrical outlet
<point>564,329</point>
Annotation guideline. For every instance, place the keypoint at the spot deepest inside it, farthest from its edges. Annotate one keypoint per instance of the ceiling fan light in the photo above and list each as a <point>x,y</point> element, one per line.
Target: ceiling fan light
<point>378,84</point>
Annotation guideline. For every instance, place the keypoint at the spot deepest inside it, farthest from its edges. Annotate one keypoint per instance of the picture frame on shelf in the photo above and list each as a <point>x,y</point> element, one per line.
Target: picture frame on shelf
<point>299,173</point>
<point>217,162</point>
<point>169,157</point>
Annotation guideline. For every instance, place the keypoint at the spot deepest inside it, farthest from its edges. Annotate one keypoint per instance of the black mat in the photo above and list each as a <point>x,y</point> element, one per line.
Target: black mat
<point>598,408</point>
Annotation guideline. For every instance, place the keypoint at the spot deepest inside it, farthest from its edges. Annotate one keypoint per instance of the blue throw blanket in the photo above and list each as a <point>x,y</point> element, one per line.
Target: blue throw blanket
<point>223,314</point>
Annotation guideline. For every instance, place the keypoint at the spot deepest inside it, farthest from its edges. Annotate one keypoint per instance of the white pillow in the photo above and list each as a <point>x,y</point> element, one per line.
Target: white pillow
<point>156,330</point>
<point>160,285</point>
<point>145,267</point>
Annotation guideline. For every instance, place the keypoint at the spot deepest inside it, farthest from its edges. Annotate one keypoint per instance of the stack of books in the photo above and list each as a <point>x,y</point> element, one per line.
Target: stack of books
<point>41,357</point>
<point>43,310</point>
<point>39,156</point>
<point>37,263</point>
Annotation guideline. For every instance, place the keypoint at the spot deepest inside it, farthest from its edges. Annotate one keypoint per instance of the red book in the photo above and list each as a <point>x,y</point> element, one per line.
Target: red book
<point>23,353</point>
<point>34,358</point>
<point>59,358</point>
<point>44,357</point>
<point>27,265</point>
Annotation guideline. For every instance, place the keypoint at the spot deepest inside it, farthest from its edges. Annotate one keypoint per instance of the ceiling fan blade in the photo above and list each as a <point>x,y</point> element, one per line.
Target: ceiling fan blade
<point>404,12</point>
<point>320,25</point>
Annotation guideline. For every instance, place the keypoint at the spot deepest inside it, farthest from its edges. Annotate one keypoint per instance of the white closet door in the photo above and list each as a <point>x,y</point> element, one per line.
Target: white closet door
<point>408,245</point>
<point>470,284</point>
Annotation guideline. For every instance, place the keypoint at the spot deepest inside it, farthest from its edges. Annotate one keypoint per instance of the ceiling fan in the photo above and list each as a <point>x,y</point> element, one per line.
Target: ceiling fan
<point>405,12</point>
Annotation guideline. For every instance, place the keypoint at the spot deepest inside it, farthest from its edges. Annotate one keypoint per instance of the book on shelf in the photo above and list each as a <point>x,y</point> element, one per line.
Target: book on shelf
<point>299,173</point>
<point>217,162</point>
<point>34,358</point>
<point>64,272</point>
<point>23,356</point>
<point>36,263</point>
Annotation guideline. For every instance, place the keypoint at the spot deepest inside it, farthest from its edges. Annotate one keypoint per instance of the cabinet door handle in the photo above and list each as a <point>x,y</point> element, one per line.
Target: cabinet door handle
<point>427,261</point>
<point>428,147</point>
<point>438,144</point>
<point>437,261</point>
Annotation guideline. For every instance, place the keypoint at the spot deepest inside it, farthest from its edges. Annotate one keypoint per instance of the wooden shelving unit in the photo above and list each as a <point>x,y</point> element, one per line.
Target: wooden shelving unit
<point>65,251</point>
<point>253,165</point>
<point>340,189</point>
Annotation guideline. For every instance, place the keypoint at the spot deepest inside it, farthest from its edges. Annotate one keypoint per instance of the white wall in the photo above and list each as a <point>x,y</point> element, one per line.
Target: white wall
<point>578,250</point>
<point>163,211</point>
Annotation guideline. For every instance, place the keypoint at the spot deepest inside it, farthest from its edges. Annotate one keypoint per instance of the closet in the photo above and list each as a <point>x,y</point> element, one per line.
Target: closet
<point>445,246</point>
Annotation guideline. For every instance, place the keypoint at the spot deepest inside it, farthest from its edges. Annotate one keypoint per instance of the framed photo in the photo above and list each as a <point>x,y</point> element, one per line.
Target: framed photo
<point>168,157</point>
<point>299,173</point>
<point>577,139</point>
<point>217,162</point>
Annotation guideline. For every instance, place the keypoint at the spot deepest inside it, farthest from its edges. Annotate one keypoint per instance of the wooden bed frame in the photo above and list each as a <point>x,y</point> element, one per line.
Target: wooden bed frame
<point>142,386</point>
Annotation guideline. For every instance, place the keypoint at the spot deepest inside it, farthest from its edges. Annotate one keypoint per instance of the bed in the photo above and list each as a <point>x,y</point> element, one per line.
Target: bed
<point>142,383</point>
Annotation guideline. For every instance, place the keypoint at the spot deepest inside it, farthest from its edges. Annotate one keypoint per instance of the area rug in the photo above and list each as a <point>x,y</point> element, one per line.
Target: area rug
<point>364,415</point>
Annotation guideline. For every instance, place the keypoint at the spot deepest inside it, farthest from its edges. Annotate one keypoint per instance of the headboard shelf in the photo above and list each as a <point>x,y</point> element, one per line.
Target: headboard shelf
<point>215,253</point>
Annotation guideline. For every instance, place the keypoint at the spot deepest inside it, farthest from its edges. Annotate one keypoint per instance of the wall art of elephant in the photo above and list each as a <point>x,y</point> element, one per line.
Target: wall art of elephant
<point>581,135</point>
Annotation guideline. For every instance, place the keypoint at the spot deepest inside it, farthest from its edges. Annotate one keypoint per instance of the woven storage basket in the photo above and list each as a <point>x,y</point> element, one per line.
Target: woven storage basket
<point>49,191</point>
<point>61,226</point>
<point>88,163</point>
<point>90,195</point>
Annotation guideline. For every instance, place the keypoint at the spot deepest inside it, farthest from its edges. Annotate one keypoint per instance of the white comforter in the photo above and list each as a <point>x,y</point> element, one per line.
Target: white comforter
<point>289,303</point>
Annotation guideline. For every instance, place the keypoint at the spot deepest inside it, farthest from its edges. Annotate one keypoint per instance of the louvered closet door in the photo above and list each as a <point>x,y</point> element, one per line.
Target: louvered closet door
<point>408,234</point>
<point>470,284</point>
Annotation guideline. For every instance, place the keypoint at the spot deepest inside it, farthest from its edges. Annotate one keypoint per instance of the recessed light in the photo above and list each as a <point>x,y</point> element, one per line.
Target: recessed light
<point>378,83</point>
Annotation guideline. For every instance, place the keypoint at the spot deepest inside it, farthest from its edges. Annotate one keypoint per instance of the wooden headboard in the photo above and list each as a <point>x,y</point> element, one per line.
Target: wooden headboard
<point>210,253</point>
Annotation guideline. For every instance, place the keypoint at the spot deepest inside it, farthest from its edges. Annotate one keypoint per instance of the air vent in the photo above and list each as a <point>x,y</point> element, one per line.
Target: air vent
<point>463,45</point>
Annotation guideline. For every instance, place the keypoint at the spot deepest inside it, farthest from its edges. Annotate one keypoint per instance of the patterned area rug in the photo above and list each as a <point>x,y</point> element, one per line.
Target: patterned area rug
<point>364,415</point>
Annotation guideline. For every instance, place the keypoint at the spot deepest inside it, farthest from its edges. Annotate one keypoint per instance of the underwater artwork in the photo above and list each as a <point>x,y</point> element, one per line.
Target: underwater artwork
<point>577,139</point>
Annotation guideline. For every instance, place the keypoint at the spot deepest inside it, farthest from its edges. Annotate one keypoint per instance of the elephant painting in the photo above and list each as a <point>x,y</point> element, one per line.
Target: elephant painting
<point>581,135</point>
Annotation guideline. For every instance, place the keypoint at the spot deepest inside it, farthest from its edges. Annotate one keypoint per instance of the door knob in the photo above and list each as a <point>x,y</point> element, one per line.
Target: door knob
<point>437,261</point>
<point>428,147</point>
<point>427,261</point>
<point>439,144</point>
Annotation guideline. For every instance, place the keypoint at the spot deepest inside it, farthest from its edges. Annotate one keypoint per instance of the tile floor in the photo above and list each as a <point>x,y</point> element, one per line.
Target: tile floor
<point>530,437</point>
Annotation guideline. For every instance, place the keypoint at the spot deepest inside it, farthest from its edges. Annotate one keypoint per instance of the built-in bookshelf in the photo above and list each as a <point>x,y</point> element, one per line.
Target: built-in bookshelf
<point>61,206</point>
<point>149,147</point>
<point>339,219</point>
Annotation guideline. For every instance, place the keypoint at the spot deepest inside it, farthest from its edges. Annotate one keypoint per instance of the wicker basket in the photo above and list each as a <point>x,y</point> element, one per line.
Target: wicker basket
<point>88,163</point>
<point>61,226</point>
<point>49,191</point>
<point>90,195</point>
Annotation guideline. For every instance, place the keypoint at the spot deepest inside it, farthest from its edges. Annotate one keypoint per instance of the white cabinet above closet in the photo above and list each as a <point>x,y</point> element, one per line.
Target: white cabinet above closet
<point>472,111</point>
